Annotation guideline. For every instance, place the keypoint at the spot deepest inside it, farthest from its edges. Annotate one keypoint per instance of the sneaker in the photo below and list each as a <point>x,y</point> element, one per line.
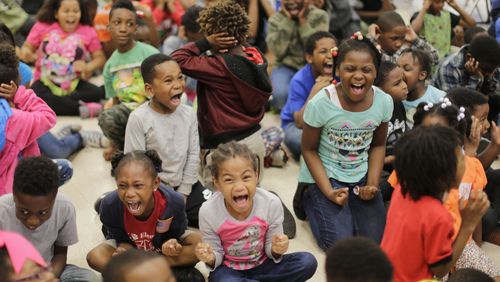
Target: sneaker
<point>94,139</point>
<point>90,110</point>
<point>68,130</point>
<point>289,226</point>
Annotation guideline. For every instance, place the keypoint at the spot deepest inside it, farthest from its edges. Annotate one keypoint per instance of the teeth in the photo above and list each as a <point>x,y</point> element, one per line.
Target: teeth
<point>358,85</point>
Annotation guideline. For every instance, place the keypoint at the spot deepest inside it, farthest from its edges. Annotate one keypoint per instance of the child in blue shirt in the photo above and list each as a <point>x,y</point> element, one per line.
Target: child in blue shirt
<point>314,76</point>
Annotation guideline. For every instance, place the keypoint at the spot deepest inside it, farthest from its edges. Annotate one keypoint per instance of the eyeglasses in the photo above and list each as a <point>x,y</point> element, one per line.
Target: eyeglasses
<point>37,275</point>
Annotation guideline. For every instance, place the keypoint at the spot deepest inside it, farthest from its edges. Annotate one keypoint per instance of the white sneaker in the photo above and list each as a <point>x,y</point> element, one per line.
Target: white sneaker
<point>68,130</point>
<point>94,139</point>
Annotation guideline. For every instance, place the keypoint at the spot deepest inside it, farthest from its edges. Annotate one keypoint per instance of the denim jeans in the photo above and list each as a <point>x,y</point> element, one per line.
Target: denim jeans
<point>330,222</point>
<point>65,170</point>
<point>62,148</point>
<point>280,79</point>
<point>73,273</point>
<point>298,267</point>
<point>293,137</point>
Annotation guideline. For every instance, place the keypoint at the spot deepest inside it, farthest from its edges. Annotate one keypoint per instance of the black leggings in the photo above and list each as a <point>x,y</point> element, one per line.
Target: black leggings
<point>68,105</point>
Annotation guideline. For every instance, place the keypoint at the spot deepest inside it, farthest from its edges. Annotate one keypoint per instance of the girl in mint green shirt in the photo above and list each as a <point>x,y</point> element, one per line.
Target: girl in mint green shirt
<point>343,148</point>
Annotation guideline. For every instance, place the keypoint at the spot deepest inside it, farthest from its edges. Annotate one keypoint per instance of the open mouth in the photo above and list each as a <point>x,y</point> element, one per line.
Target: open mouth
<point>357,88</point>
<point>176,99</point>
<point>328,68</point>
<point>134,207</point>
<point>293,9</point>
<point>241,201</point>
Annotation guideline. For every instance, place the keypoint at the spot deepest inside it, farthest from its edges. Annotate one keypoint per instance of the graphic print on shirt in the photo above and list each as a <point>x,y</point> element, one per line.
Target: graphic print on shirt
<point>395,130</point>
<point>143,240</point>
<point>243,243</point>
<point>59,53</point>
<point>128,83</point>
<point>352,143</point>
<point>464,190</point>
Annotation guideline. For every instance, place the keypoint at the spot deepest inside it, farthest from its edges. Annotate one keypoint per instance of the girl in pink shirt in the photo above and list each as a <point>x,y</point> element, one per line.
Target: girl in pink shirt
<point>59,42</point>
<point>23,118</point>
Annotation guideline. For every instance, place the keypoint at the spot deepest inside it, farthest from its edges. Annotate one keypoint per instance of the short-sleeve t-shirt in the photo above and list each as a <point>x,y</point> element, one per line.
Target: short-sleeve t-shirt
<point>431,95</point>
<point>122,74</point>
<point>474,179</point>
<point>345,136</point>
<point>418,235</point>
<point>57,50</point>
<point>142,232</point>
<point>397,126</point>
<point>59,229</point>
<point>101,22</point>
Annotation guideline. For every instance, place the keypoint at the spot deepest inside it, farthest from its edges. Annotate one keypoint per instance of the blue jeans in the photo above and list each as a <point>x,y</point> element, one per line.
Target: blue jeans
<point>298,267</point>
<point>293,137</point>
<point>280,79</point>
<point>73,273</point>
<point>330,222</point>
<point>55,148</point>
<point>65,170</point>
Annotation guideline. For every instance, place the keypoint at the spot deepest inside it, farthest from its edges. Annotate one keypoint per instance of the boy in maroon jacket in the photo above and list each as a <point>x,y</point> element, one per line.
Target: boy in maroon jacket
<point>233,84</point>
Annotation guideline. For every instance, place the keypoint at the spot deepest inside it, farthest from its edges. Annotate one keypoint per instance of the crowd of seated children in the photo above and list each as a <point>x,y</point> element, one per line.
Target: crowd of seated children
<point>390,147</point>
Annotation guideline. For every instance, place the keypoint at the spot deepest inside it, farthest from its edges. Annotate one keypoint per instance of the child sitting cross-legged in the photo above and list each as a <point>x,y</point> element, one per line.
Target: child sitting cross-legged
<point>141,213</point>
<point>242,225</point>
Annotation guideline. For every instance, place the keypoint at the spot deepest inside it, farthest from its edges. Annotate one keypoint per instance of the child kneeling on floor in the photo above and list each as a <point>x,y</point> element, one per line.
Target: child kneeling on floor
<point>143,214</point>
<point>242,225</point>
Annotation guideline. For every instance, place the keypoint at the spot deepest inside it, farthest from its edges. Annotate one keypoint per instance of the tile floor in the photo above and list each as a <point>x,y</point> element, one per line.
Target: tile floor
<point>92,178</point>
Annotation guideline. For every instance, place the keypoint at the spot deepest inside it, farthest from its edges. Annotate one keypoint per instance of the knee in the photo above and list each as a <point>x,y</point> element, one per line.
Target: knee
<point>307,263</point>
<point>98,258</point>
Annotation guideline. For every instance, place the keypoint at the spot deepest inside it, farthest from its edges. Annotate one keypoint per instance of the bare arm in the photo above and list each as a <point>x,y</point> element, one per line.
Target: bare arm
<point>418,22</point>
<point>187,253</point>
<point>268,9</point>
<point>466,20</point>
<point>471,215</point>
<point>59,260</point>
<point>321,82</point>
<point>28,53</point>
<point>488,156</point>
<point>376,155</point>
<point>310,144</point>
<point>253,14</point>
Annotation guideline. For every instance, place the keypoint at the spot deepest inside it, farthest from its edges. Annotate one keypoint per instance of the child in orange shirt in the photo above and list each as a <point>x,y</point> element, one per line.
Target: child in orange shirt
<point>474,179</point>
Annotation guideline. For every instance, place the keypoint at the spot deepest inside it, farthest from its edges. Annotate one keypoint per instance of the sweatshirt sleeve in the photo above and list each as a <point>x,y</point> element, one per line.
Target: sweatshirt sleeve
<point>112,220</point>
<point>276,218</point>
<point>134,134</point>
<point>280,30</point>
<point>200,67</point>
<point>32,118</point>
<point>190,173</point>
<point>208,231</point>
<point>317,20</point>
